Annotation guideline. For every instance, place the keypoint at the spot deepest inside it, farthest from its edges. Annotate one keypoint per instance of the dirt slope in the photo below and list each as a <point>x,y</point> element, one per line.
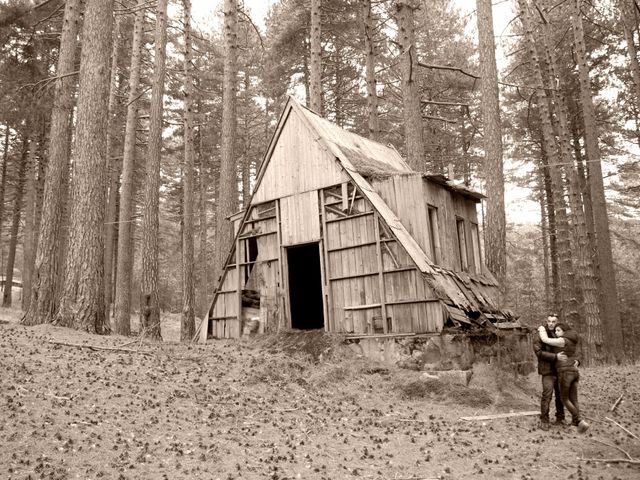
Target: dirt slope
<point>259,410</point>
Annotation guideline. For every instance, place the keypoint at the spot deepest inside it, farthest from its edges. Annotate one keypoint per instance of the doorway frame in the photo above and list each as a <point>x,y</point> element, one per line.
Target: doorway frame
<point>285,280</point>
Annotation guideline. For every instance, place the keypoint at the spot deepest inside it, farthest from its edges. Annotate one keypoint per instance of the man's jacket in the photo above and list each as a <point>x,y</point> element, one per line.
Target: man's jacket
<point>545,354</point>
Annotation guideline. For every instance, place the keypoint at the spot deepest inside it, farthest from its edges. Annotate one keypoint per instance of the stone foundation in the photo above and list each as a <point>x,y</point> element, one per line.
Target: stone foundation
<point>512,350</point>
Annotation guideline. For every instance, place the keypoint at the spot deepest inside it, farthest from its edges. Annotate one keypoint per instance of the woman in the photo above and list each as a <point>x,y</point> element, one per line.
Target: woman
<point>567,368</point>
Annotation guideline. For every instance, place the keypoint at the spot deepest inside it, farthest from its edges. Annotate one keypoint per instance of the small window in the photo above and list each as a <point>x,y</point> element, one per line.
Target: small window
<point>434,234</point>
<point>462,244</point>
<point>475,242</point>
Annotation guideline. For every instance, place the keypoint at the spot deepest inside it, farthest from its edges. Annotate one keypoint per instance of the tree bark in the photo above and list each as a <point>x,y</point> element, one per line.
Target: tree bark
<point>246,140</point>
<point>204,257</point>
<point>315,82</point>
<point>3,179</point>
<point>187,325</point>
<point>410,94</point>
<point>627,15</point>
<point>82,302</point>
<point>29,235</point>
<point>373,121</point>
<point>554,298</point>
<point>149,301</point>
<point>15,224</point>
<point>495,232</point>
<point>610,308</point>
<point>43,304</point>
<point>228,192</point>
<point>113,174</point>
<point>124,269</point>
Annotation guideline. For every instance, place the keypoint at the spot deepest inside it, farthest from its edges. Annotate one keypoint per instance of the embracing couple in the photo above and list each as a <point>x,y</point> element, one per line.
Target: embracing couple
<point>556,346</point>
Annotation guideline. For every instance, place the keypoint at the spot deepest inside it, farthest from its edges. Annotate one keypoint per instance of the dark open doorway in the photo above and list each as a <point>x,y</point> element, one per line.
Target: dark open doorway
<point>305,287</point>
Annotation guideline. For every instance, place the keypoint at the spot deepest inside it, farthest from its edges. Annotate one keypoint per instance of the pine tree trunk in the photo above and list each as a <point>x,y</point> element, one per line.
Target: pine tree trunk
<point>610,308</point>
<point>544,231</point>
<point>627,14</point>
<point>82,302</point>
<point>15,225</point>
<point>45,286</point>
<point>124,269</point>
<point>3,179</point>
<point>584,187</point>
<point>113,174</point>
<point>563,242</point>
<point>554,297</point>
<point>228,192</point>
<point>29,234</point>
<point>149,301</point>
<point>315,82</point>
<point>204,257</point>
<point>246,147</point>
<point>495,232</point>
<point>373,120</point>
<point>187,325</point>
<point>410,93</point>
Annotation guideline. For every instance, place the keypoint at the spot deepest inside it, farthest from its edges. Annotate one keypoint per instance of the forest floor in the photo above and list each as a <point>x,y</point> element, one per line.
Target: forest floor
<point>284,407</point>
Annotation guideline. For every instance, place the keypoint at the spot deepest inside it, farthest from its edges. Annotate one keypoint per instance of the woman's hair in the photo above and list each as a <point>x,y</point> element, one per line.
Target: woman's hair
<point>563,326</point>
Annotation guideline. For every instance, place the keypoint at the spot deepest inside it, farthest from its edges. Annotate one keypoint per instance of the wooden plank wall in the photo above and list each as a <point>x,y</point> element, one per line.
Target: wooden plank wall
<point>261,226</point>
<point>354,277</point>
<point>405,196</point>
<point>300,219</point>
<point>297,164</point>
<point>356,243</point>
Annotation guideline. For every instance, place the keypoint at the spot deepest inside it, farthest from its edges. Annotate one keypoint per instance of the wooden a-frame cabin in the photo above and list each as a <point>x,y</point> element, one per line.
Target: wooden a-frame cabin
<point>341,235</point>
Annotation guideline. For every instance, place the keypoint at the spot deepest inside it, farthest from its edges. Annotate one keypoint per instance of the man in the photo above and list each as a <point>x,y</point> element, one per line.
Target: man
<point>547,368</point>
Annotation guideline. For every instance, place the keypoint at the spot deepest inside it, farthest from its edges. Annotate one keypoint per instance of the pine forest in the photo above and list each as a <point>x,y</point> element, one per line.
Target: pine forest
<point>131,132</point>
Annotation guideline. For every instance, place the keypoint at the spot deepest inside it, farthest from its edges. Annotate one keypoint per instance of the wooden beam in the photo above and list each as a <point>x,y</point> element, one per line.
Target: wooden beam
<point>362,307</point>
<point>342,219</point>
<point>345,196</point>
<point>353,199</point>
<point>239,285</point>
<point>381,285</point>
<point>328,299</point>
<point>336,211</point>
<point>496,416</point>
<point>366,244</point>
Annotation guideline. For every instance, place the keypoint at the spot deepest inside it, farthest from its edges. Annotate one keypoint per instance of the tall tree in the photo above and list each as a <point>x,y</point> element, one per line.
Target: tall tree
<point>315,80</point>
<point>628,21</point>
<point>373,121</point>
<point>29,236</point>
<point>113,171</point>
<point>82,302</point>
<point>149,301</point>
<point>124,269</point>
<point>15,222</point>
<point>3,174</point>
<point>495,220</point>
<point>589,320</point>
<point>609,292</point>
<point>227,199</point>
<point>550,147</point>
<point>412,113</point>
<point>187,326</point>
<point>43,304</point>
